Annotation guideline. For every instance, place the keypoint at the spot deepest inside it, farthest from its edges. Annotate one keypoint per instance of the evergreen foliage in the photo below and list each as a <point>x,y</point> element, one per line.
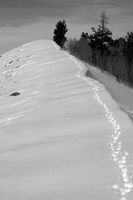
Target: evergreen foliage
<point>101,37</point>
<point>100,50</point>
<point>59,33</point>
<point>84,35</point>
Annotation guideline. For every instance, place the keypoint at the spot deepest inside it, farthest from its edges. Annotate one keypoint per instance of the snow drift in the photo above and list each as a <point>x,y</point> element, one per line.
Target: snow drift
<point>62,136</point>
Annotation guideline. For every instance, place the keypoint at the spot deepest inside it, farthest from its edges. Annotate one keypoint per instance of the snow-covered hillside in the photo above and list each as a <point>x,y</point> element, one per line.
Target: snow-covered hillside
<point>62,136</point>
<point>120,92</point>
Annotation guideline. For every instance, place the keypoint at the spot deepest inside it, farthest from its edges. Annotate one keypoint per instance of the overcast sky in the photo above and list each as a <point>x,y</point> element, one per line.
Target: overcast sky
<point>25,20</point>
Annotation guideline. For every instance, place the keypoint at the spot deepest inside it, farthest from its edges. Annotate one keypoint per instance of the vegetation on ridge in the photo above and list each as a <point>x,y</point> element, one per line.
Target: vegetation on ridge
<point>101,50</point>
<point>59,33</point>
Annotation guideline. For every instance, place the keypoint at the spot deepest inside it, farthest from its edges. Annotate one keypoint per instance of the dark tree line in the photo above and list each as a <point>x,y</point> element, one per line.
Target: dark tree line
<point>101,50</point>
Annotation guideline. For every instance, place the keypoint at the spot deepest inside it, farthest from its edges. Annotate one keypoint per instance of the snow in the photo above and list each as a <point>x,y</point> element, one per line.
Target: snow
<point>63,137</point>
<point>120,92</point>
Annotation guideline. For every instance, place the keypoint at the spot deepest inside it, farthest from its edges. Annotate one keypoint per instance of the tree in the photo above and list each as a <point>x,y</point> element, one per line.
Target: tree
<point>101,37</point>
<point>128,48</point>
<point>59,33</point>
<point>84,36</point>
<point>128,52</point>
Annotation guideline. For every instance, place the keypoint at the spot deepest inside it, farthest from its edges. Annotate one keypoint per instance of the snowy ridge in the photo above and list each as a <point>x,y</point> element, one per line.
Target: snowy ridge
<point>120,92</point>
<point>119,155</point>
<point>61,135</point>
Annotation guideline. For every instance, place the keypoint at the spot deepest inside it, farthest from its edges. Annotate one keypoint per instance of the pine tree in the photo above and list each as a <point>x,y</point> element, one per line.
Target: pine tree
<point>59,33</point>
<point>128,49</point>
<point>84,35</point>
<point>128,52</point>
<point>101,37</point>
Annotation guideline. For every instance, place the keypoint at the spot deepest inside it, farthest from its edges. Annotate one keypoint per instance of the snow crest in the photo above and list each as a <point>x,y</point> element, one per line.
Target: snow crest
<point>55,133</point>
<point>119,154</point>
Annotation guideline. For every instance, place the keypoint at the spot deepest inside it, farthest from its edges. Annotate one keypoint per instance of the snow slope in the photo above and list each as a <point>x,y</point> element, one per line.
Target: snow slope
<point>63,137</point>
<point>120,92</point>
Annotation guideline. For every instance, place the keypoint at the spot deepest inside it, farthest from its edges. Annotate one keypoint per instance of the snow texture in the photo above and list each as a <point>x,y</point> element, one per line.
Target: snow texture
<point>119,91</point>
<point>62,136</point>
